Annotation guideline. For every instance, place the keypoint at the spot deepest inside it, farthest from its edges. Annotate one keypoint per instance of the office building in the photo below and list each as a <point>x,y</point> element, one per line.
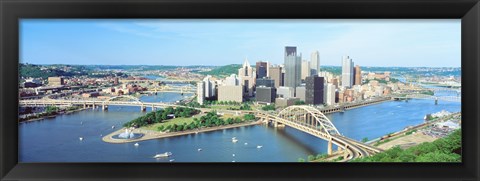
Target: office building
<point>261,69</point>
<point>314,90</point>
<point>286,92</point>
<point>265,94</point>
<point>276,75</point>
<point>285,102</point>
<point>210,86</point>
<point>232,80</point>
<point>358,75</point>
<point>305,68</point>
<point>315,62</point>
<point>347,72</point>
<point>56,81</point>
<point>292,67</point>
<point>247,78</point>
<point>265,82</point>
<point>330,94</point>
<point>200,92</point>
<point>300,93</point>
<point>230,93</point>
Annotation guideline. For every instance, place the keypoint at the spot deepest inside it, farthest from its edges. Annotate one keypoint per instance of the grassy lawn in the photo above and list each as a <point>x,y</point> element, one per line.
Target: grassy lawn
<point>180,121</point>
<point>177,121</point>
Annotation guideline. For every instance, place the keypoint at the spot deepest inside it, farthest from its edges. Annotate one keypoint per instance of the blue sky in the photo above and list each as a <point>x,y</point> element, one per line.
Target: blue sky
<point>405,43</point>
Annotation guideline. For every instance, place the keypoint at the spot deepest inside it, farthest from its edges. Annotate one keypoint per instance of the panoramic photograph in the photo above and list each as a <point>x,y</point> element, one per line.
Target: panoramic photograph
<point>256,90</point>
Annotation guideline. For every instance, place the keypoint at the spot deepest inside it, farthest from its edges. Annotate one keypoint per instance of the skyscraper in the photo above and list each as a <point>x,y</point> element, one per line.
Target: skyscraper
<point>200,92</point>
<point>261,69</point>
<point>247,78</point>
<point>330,94</point>
<point>314,90</point>
<point>347,72</point>
<point>292,67</point>
<point>232,80</point>
<point>315,62</point>
<point>276,75</point>
<point>358,75</point>
<point>305,69</point>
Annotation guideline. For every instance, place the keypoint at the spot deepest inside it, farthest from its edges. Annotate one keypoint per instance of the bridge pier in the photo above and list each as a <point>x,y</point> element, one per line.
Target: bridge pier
<point>436,101</point>
<point>154,108</point>
<point>143,108</point>
<point>329,149</point>
<point>104,107</point>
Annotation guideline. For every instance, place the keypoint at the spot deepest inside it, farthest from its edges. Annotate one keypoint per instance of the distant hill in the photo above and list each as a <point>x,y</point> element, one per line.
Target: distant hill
<point>223,71</point>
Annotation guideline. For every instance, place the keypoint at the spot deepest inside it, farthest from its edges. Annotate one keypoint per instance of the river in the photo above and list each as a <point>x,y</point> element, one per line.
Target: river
<point>57,139</point>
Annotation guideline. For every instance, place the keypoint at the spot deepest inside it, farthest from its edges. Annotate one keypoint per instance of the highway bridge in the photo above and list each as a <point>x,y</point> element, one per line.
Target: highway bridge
<point>310,120</point>
<point>430,97</point>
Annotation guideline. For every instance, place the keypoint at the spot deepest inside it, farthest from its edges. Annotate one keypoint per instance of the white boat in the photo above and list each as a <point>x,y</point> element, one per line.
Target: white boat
<point>233,154</point>
<point>161,155</point>
<point>246,143</point>
<point>234,141</point>
<point>234,138</point>
<point>136,144</point>
<point>81,138</point>
<point>113,127</point>
<point>171,160</point>
<point>199,149</point>
<point>233,160</point>
<point>259,146</point>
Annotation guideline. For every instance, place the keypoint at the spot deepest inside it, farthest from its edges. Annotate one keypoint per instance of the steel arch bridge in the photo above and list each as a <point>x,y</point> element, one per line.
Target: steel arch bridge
<point>311,117</point>
<point>310,120</point>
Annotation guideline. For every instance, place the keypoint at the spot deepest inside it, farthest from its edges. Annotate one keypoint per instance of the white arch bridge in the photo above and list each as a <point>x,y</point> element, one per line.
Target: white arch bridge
<point>310,120</point>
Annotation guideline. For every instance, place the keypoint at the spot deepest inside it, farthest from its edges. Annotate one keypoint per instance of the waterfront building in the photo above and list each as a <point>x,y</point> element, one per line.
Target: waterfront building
<point>358,75</point>
<point>267,82</point>
<point>210,87</point>
<point>300,93</point>
<point>285,102</point>
<point>276,75</point>
<point>292,67</point>
<point>230,93</point>
<point>265,94</point>
<point>305,69</point>
<point>232,80</point>
<point>55,81</point>
<point>247,78</point>
<point>286,92</point>
<point>314,90</point>
<point>261,69</point>
<point>347,72</point>
<point>330,94</point>
<point>315,63</point>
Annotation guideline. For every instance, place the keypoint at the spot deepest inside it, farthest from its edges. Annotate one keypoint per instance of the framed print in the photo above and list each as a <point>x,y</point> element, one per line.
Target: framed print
<point>239,90</point>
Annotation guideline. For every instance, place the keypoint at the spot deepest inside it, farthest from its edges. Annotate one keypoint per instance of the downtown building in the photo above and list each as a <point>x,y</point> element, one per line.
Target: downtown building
<point>247,78</point>
<point>347,72</point>
<point>330,94</point>
<point>292,67</point>
<point>231,90</point>
<point>276,74</point>
<point>206,89</point>
<point>358,75</point>
<point>261,69</point>
<point>315,63</point>
<point>265,90</point>
<point>314,90</point>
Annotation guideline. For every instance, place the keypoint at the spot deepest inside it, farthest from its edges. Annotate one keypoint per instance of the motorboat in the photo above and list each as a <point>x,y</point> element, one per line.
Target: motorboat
<point>233,154</point>
<point>246,143</point>
<point>171,160</point>
<point>199,149</point>
<point>234,141</point>
<point>161,155</point>
<point>259,146</point>
<point>136,144</point>
<point>113,127</point>
<point>81,138</point>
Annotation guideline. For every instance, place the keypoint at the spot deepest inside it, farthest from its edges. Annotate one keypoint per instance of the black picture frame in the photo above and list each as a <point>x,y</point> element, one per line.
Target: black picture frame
<point>466,10</point>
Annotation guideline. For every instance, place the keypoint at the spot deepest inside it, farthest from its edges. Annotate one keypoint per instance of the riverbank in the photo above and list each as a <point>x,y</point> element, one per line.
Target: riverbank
<point>150,134</point>
<point>52,116</point>
<point>404,140</point>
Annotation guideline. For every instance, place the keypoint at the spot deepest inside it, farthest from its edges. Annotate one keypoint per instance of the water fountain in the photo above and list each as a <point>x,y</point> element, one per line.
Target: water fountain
<point>128,134</point>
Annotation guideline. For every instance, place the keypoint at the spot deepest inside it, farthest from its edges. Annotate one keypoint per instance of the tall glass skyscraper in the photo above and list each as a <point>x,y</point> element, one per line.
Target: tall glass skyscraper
<point>315,62</point>
<point>347,72</point>
<point>292,67</point>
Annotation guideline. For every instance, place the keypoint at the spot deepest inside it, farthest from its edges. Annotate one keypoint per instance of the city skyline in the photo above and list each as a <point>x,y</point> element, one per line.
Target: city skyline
<point>436,43</point>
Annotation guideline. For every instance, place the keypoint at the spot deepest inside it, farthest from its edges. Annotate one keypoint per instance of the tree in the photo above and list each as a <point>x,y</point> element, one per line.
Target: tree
<point>310,158</point>
<point>248,117</point>
<point>301,160</point>
<point>365,139</point>
<point>300,102</point>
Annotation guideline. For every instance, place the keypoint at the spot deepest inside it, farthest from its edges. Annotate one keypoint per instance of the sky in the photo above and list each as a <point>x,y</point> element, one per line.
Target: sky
<point>383,43</point>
